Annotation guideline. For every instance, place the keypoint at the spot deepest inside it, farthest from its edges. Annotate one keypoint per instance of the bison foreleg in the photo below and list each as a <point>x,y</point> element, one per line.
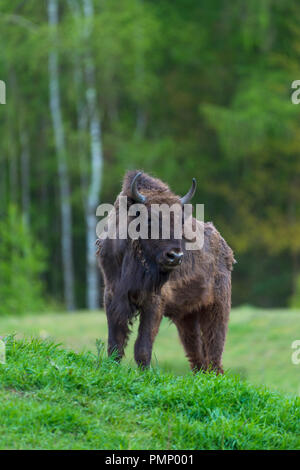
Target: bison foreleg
<point>118,329</point>
<point>150,318</point>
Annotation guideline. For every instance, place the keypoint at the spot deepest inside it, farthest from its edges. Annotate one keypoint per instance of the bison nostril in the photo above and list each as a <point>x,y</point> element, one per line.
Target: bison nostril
<point>173,257</point>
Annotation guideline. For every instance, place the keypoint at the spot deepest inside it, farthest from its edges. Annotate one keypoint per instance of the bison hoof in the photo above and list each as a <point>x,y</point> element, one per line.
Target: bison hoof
<point>143,359</point>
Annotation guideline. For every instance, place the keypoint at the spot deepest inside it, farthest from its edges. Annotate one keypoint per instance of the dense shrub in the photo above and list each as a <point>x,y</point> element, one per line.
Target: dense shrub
<point>21,267</point>
<point>295,299</point>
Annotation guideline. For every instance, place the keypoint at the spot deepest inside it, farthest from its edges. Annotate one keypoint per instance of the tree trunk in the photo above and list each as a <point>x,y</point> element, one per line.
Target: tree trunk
<point>63,176</point>
<point>25,176</point>
<point>95,168</point>
<point>141,114</point>
<point>82,118</point>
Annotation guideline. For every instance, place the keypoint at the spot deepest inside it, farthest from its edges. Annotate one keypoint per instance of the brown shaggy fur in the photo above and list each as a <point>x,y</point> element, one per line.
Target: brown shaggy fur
<point>196,295</point>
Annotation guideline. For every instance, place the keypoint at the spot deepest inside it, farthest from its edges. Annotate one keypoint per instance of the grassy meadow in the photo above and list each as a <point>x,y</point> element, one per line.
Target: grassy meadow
<point>51,398</point>
<point>258,346</point>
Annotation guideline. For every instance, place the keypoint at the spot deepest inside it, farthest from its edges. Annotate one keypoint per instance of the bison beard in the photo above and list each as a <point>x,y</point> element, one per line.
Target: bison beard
<point>195,295</point>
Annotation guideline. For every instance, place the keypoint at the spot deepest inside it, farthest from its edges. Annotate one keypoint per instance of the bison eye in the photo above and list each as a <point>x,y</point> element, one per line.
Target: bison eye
<point>138,213</point>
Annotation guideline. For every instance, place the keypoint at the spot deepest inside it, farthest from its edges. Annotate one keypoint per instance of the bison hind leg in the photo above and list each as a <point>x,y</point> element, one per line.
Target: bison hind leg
<point>190,335</point>
<point>214,322</point>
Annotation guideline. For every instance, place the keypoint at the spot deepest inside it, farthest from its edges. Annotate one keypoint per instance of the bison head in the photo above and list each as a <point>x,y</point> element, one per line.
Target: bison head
<point>165,249</point>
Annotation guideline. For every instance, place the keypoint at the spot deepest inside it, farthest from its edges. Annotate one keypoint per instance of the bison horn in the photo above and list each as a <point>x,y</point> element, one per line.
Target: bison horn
<point>138,197</point>
<point>186,199</point>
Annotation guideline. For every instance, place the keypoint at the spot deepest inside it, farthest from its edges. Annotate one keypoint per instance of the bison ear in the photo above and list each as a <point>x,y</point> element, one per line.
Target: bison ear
<point>186,199</point>
<point>135,194</point>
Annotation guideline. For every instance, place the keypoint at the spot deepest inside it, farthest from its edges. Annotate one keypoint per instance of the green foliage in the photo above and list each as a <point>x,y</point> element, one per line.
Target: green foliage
<point>52,398</point>
<point>184,89</point>
<point>295,299</point>
<point>22,262</point>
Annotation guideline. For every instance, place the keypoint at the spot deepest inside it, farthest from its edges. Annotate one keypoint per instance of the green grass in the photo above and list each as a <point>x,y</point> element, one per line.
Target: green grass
<point>258,346</point>
<point>52,398</point>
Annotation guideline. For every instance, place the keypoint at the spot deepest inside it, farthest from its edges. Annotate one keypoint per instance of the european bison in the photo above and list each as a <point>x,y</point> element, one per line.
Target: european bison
<point>159,277</point>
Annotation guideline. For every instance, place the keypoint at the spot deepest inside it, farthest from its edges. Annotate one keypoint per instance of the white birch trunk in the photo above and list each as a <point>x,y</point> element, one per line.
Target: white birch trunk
<point>25,176</point>
<point>63,176</point>
<point>95,168</point>
<point>82,118</point>
<point>141,116</point>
